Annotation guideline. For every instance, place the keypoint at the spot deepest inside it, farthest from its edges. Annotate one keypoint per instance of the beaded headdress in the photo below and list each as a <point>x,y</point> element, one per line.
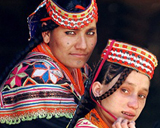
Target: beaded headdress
<point>131,56</point>
<point>62,17</point>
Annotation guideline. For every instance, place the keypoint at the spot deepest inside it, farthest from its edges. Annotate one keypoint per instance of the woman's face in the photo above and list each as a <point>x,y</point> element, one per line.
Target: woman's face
<point>73,47</point>
<point>129,100</point>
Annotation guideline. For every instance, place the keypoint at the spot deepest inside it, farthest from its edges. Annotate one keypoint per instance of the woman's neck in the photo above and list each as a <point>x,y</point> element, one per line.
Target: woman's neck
<point>105,116</point>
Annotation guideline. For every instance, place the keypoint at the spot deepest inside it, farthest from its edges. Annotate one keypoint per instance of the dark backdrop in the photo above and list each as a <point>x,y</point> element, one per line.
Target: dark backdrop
<point>136,22</point>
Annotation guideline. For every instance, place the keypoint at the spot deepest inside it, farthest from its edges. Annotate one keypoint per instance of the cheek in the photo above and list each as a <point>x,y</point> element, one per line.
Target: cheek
<point>110,102</point>
<point>115,100</point>
<point>142,104</point>
<point>91,45</point>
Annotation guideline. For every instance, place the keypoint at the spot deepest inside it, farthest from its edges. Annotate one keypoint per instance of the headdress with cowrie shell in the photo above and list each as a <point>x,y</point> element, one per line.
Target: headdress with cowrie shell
<point>63,17</point>
<point>132,57</point>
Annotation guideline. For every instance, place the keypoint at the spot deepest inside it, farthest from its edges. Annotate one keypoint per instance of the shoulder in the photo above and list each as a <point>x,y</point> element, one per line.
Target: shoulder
<point>33,71</point>
<point>82,122</point>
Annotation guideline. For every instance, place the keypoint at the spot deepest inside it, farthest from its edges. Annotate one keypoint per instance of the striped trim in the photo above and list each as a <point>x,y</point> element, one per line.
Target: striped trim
<point>37,101</point>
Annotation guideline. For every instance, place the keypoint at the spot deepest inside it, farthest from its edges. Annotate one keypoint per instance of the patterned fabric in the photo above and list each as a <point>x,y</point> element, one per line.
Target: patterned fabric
<point>84,123</point>
<point>63,18</point>
<point>44,48</point>
<point>132,56</point>
<point>91,120</point>
<point>37,88</point>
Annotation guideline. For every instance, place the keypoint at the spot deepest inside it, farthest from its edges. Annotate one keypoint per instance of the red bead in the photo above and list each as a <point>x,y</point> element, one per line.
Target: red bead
<point>65,22</point>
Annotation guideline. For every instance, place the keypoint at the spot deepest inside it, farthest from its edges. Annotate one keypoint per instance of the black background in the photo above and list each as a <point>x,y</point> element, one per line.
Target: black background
<point>132,21</point>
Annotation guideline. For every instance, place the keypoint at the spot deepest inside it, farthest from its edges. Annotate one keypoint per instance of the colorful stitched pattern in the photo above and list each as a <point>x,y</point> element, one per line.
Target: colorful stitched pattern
<point>132,56</point>
<point>36,88</point>
<point>91,120</point>
<point>84,123</point>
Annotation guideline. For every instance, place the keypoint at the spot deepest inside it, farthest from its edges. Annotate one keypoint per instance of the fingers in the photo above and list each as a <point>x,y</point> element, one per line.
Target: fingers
<point>123,123</point>
<point>132,124</point>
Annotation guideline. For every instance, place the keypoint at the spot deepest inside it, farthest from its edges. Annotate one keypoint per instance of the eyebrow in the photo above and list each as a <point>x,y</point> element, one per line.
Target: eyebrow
<point>91,28</point>
<point>145,89</point>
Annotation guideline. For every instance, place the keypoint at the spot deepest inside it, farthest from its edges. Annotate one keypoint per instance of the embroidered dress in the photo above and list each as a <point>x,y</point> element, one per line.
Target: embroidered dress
<point>40,91</point>
<point>91,120</point>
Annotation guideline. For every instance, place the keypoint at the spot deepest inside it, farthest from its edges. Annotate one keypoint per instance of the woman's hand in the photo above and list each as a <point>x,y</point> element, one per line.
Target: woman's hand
<point>123,123</point>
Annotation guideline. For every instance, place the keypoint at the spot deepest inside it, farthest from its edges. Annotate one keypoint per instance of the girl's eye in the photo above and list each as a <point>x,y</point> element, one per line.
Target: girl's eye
<point>124,90</point>
<point>70,33</point>
<point>142,96</point>
<point>90,33</point>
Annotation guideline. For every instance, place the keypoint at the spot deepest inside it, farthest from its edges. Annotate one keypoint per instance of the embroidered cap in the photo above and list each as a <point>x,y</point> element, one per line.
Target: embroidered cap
<point>131,56</point>
<point>63,17</point>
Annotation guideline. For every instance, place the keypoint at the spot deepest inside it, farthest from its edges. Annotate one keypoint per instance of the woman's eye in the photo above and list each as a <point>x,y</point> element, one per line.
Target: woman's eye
<point>70,33</point>
<point>142,96</point>
<point>90,33</point>
<point>124,90</point>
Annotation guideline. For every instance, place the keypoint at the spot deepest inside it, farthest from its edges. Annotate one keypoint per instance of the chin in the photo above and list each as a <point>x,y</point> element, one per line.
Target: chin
<point>74,66</point>
<point>78,64</point>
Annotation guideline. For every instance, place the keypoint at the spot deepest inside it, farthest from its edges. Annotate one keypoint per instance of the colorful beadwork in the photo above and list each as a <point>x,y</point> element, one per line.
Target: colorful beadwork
<point>69,19</point>
<point>132,56</point>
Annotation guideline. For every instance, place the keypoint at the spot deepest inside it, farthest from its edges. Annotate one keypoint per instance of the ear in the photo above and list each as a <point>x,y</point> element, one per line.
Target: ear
<point>46,34</point>
<point>97,89</point>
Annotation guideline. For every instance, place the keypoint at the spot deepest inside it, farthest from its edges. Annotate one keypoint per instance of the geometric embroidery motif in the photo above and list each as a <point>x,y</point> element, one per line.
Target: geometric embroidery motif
<point>46,72</point>
<point>16,76</point>
<point>29,81</point>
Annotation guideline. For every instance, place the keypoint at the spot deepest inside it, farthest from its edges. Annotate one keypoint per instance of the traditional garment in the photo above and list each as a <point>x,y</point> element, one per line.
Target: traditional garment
<point>91,120</point>
<point>40,89</point>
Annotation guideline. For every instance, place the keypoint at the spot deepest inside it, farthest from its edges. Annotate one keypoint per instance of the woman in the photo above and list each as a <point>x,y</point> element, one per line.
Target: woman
<point>44,87</point>
<point>119,88</point>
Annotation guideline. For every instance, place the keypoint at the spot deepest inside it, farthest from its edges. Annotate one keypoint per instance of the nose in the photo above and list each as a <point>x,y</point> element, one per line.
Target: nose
<point>81,42</point>
<point>133,102</point>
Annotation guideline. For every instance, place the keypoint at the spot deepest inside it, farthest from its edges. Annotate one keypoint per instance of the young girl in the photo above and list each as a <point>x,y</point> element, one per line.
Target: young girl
<point>119,88</point>
<point>46,83</point>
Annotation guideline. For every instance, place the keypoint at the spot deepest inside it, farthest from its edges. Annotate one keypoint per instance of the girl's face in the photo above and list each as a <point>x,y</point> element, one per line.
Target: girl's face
<point>128,101</point>
<point>73,47</point>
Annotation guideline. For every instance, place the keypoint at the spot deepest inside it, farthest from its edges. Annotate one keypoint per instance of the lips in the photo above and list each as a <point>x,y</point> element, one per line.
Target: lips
<point>78,54</point>
<point>128,115</point>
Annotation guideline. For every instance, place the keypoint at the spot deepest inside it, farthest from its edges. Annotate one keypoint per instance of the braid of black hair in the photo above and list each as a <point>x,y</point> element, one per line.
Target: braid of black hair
<point>120,81</point>
<point>32,44</point>
<point>50,26</point>
<point>85,105</point>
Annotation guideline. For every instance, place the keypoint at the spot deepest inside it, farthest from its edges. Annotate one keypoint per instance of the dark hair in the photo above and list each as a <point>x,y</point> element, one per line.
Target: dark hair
<point>108,72</point>
<point>69,5</point>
